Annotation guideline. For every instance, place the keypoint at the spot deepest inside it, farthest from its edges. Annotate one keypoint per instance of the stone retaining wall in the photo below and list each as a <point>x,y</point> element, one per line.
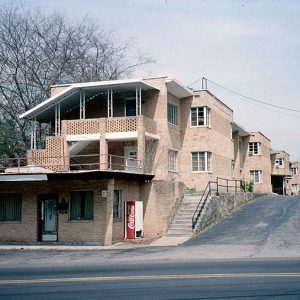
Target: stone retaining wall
<point>221,206</point>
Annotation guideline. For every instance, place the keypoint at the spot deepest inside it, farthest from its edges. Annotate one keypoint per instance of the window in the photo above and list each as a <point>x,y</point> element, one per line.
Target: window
<point>10,207</point>
<point>81,205</point>
<point>172,114</point>
<point>255,176</point>
<point>279,162</point>
<point>201,161</point>
<point>117,205</point>
<point>200,116</point>
<point>295,188</point>
<point>172,160</point>
<point>294,171</point>
<point>254,148</point>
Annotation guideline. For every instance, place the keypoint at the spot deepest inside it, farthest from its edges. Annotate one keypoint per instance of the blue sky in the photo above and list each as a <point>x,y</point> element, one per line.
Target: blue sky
<point>251,47</point>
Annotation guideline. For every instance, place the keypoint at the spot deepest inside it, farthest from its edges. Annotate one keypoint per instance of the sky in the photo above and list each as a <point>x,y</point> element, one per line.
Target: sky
<point>250,47</point>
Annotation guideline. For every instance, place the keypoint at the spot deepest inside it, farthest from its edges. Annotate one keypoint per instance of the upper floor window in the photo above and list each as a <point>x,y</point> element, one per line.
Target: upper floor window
<point>294,171</point>
<point>279,162</point>
<point>10,207</point>
<point>117,205</point>
<point>172,114</point>
<point>255,176</point>
<point>254,148</point>
<point>201,161</point>
<point>173,160</point>
<point>200,116</point>
<point>81,205</point>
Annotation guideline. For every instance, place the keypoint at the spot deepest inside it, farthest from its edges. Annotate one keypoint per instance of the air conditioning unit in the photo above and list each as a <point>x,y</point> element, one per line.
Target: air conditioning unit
<point>250,153</point>
<point>277,167</point>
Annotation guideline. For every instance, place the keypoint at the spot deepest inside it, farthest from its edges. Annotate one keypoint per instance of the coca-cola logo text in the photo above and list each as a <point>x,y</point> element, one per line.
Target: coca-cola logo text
<point>130,216</point>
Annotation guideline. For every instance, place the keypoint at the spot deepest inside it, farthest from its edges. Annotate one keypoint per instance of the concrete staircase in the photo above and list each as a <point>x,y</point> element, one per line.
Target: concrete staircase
<point>182,222</point>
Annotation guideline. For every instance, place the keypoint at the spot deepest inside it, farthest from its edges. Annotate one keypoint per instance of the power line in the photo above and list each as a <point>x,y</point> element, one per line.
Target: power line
<point>247,97</point>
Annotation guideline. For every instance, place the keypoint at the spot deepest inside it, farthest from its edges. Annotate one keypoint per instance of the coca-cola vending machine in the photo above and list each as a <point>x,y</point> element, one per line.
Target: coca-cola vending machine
<point>134,219</point>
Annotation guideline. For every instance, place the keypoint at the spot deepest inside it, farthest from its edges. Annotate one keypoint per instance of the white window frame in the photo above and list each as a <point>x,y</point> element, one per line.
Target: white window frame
<point>294,171</point>
<point>172,112</point>
<point>207,161</point>
<point>254,175</point>
<point>172,159</point>
<point>279,162</point>
<point>117,213</point>
<point>206,113</point>
<point>295,187</point>
<point>252,150</point>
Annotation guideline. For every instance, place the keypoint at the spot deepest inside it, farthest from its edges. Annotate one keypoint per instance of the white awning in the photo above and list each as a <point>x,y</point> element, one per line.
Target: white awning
<point>23,177</point>
<point>69,97</point>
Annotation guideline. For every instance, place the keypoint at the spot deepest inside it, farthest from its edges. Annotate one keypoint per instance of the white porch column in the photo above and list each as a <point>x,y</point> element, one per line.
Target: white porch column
<point>138,100</point>
<point>82,104</point>
<point>110,111</point>
<point>57,119</point>
<point>33,133</point>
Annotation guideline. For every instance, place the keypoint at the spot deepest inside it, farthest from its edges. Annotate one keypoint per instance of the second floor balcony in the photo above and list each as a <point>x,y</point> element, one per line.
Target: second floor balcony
<point>112,128</point>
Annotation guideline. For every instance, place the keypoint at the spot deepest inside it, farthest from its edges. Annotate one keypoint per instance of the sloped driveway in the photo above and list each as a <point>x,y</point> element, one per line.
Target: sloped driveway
<point>267,227</point>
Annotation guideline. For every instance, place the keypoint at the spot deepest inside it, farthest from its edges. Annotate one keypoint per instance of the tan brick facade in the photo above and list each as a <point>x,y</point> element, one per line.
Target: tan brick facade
<point>199,144</point>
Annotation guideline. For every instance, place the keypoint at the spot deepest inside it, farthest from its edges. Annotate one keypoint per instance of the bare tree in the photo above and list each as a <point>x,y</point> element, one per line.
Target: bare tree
<point>38,50</point>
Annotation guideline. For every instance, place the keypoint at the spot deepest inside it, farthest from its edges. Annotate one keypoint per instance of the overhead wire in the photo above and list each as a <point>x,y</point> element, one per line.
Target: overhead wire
<point>252,99</point>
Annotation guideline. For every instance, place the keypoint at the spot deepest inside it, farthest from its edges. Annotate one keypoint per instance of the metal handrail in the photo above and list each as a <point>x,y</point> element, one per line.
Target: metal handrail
<point>21,162</point>
<point>201,204</point>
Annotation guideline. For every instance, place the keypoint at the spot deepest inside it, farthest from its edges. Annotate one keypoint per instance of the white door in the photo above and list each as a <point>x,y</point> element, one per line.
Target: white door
<point>131,163</point>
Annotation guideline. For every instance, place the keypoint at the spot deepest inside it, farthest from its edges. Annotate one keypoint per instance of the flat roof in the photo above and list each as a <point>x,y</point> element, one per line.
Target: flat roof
<point>240,129</point>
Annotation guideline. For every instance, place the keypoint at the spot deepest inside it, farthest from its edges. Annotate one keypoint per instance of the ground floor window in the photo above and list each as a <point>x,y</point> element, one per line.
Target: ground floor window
<point>255,176</point>
<point>10,206</point>
<point>117,205</point>
<point>173,160</point>
<point>295,188</point>
<point>81,205</point>
<point>201,161</point>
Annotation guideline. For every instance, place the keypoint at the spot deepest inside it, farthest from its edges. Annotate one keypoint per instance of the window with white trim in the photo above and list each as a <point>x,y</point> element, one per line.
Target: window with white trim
<point>295,188</point>
<point>294,171</point>
<point>201,161</point>
<point>200,116</point>
<point>255,176</point>
<point>254,148</point>
<point>279,162</point>
<point>10,206</point>
<point>117,205</point>
<point>173,160</point>
<point>172,114</point>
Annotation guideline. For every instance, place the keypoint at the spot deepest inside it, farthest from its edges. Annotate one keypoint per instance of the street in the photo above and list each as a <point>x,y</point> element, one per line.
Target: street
<point>253,279</point>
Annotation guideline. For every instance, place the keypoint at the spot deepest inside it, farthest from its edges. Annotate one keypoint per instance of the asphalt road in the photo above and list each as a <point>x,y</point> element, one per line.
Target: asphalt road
<point>252,279</point>
<point>254,254</point>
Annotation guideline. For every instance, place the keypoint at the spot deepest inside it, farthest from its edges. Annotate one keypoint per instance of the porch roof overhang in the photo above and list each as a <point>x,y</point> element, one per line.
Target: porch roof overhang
<point>69,97</point>
<point>177,89</point>
<point>76,175</point>
<point>242,132</point>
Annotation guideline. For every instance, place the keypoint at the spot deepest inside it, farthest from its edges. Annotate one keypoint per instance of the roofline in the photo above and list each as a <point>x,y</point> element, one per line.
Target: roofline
<point>242,129</point>
<point>277,151</point>
<point>209,92</point>
<point>261,134</point>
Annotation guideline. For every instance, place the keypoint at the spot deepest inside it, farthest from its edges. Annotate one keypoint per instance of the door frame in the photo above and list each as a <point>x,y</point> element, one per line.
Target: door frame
<point>40,199</point>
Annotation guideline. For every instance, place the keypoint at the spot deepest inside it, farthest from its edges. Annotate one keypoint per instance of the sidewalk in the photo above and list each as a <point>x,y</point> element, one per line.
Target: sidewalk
<point>139,243</point>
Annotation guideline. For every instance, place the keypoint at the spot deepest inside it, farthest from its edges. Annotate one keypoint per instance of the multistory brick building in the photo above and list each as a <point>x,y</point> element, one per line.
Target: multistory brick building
<point>111,143</point>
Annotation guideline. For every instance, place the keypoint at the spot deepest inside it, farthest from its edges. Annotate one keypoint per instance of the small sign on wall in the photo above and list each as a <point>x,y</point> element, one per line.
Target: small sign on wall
<point>104,194</point>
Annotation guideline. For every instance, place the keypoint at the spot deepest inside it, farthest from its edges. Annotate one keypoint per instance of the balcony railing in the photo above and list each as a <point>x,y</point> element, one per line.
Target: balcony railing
<point>72,163</point>
<point>119,124</point>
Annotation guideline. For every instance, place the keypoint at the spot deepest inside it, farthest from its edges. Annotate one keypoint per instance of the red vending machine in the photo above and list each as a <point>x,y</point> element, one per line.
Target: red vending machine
<point>134,219</point>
